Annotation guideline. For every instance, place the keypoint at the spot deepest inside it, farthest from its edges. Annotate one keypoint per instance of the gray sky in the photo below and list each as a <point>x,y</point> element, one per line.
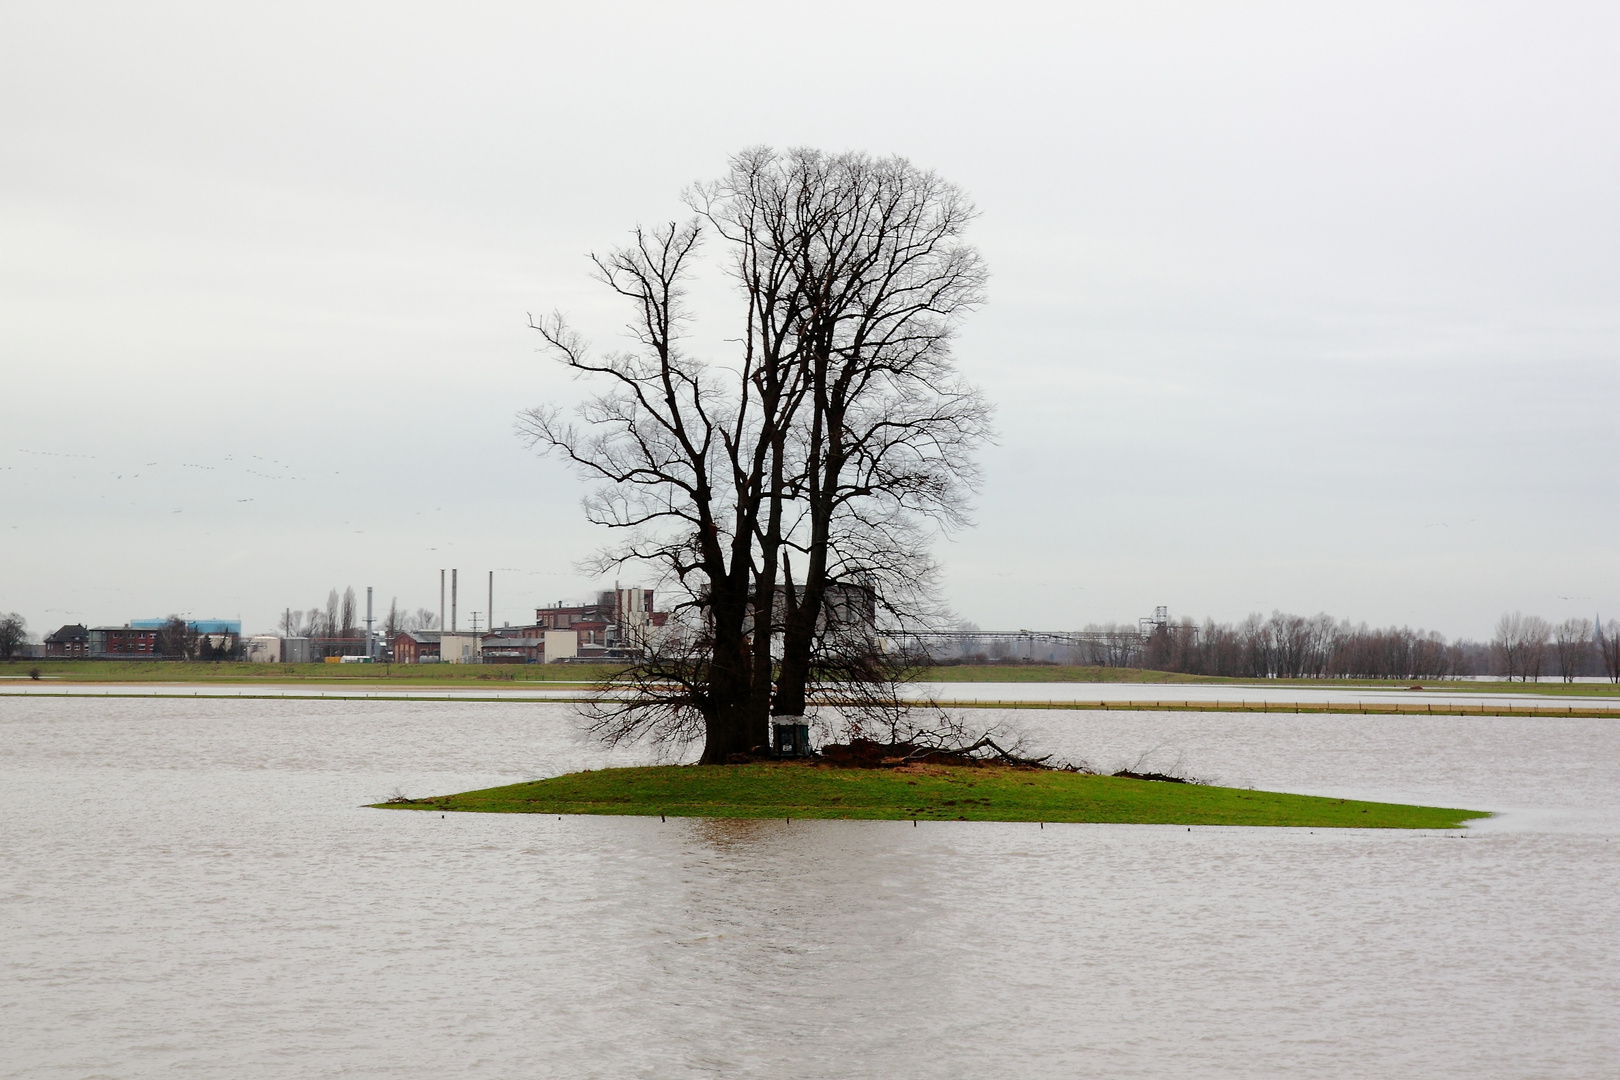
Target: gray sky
<point>1311,307</point>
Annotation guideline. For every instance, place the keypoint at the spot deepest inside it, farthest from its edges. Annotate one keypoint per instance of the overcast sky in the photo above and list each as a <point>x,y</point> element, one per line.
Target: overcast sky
<point>1310,307</point>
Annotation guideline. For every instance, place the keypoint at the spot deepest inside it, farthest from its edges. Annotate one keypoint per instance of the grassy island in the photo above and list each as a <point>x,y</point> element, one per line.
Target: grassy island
<point>925,792</point>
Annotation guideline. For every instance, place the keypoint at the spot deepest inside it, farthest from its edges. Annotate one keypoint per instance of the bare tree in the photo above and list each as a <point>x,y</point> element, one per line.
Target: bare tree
<point>329,620</point>
<point>298,623</point>
<point>1509,644</point>
<point>347,627</point>
<point>1572,644</point>
<point>1296,648</point>
<point>1608,647</point>
<point>1255,634</point>
<point>885,447</point>
<point>838,434</point>
<point>968,647</point>
<point>1521,644</point>
<point>13,632</point>
<point>681,452</point>
<point>1537,633</point>
<point>1113,645</point>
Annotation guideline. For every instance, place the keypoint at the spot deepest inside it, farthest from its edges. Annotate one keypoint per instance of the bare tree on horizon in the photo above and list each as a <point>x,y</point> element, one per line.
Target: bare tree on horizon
<point>1608,647</point>
<point>1572,643</point>
<point>13,632</point>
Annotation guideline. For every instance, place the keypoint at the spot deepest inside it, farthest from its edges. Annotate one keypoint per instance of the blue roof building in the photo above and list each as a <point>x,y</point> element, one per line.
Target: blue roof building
<point>201,626</point>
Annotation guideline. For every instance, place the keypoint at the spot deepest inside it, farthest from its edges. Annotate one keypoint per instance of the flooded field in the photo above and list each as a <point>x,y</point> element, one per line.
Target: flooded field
<point>193,888</point>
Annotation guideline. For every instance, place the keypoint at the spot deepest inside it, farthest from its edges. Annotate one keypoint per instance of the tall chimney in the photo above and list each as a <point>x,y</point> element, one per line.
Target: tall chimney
<point>489,623</point>
<point>441,601</point>
<point>452,601</point>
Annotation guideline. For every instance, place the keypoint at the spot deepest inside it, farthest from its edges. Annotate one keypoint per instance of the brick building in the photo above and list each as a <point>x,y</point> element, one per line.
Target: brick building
<point>70,641</point>
<point>415,646</point>
<point>123,642</point>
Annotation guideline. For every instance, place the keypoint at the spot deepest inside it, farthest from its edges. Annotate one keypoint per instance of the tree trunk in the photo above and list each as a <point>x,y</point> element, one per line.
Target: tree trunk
<point>730,726</point>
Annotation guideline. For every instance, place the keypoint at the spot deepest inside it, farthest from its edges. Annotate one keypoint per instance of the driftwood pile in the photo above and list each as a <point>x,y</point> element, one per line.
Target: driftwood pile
<point>869,754</point>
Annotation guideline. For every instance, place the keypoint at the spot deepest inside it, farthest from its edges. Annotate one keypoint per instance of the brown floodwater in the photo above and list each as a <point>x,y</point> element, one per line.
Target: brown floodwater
<point>193,888</point>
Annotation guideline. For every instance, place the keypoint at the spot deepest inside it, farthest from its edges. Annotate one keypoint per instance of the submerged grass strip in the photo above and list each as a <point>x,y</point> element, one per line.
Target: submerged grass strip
<point>1344,708</point>
<point>237,673</point>
<point>929,793</point>
<point>426,693</point>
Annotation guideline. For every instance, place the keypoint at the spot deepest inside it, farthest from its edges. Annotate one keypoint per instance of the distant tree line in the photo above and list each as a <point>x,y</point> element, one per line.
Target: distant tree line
<point>335,620</point>
<point>338,620</point>
<point>1287,646</point>
<point>399,620</point>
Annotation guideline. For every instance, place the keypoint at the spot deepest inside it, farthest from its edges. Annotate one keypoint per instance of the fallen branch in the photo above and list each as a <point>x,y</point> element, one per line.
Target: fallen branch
<point>1163,778</point>
<point>869,754</point>
<point>984,741</point>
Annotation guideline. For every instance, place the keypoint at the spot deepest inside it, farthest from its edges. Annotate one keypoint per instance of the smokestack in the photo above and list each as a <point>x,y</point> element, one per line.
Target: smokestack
<point>441,601</point>
<point>452,601</point>
<point>368,620</point>
<point>491,610</point>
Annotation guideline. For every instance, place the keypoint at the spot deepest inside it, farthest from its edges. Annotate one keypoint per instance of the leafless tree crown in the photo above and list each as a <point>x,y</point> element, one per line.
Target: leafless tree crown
<point>788,492</point>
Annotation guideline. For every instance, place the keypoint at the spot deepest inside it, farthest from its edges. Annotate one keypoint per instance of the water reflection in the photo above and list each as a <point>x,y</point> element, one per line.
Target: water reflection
<point>725,835</point>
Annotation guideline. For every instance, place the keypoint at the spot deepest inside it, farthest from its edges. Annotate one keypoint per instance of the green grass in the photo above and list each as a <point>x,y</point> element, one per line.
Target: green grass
<point>1052,673</point>
<point>162,671</point>
<point>494,675</point>
<point>1064,673</point>
<point>926,792</point>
